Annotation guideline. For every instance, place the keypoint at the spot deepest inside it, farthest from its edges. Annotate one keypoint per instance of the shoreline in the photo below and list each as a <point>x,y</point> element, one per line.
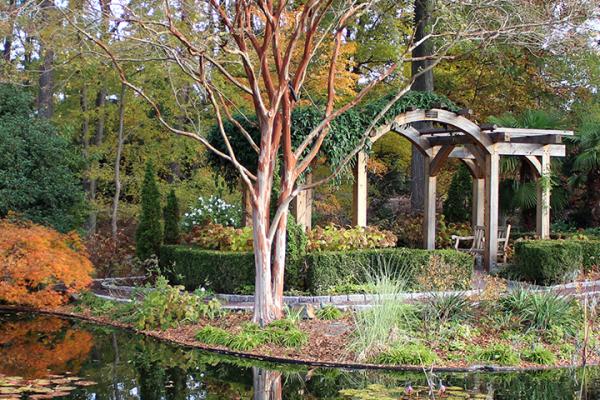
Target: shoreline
<point>160,335</point>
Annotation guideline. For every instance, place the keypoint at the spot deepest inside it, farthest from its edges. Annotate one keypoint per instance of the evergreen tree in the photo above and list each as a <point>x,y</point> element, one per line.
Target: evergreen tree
<point>148,236</point>
<point>457,207</point>
<point>171,215</point>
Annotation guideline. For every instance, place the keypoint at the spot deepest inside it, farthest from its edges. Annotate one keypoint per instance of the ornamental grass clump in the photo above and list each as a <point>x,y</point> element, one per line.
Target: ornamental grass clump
<point>388,320</point>
<point>543,311</point>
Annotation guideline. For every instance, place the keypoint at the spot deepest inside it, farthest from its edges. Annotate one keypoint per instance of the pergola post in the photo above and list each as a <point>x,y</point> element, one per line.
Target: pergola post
<point>492,177</point>
<point>359,191</point>
<point>302,207</point>
<point>429,206</point>
<point>543,197</point>
<point>478,202</point>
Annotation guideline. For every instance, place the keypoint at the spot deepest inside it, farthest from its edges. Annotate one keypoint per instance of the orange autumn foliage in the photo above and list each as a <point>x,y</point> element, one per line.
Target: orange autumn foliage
<point>39,266</point>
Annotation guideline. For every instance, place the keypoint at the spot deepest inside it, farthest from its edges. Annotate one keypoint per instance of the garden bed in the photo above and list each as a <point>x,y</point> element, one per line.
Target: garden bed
<point>495,329</point>
<point>323,349</point>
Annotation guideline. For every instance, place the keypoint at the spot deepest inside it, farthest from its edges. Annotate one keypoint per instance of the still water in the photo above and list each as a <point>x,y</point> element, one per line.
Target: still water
<point>44,357</point>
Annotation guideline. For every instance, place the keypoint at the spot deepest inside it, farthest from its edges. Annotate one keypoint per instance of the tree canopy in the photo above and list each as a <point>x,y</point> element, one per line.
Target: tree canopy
<point>39,169</point>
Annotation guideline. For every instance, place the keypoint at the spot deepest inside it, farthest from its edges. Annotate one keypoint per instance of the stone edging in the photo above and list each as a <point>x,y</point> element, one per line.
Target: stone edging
<point>344,301</point>
<point>286,360</point>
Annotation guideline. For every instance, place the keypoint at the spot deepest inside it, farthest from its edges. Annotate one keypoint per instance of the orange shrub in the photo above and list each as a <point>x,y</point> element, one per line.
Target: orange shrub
<point>39,266</point>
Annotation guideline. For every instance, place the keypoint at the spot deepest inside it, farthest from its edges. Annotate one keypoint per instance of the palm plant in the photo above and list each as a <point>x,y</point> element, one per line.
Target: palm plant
<point>586,166</point>
<point>518,189</point>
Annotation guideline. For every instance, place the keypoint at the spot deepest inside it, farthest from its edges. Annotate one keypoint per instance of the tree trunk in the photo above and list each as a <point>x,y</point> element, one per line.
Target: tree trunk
<point>263,299</point>
<point>98,139</point>
<point>115,205</point>
<point>46,83</point>
<point>423,83</point>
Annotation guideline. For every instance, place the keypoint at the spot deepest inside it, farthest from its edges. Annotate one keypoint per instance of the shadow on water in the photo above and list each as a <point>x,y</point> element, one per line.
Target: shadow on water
<point>121,365</point>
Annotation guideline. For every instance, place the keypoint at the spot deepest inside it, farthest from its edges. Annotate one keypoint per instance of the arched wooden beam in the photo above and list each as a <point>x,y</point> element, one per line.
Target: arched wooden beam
<point>446,117</point>
<point>535,163</point>
<point>408,132</point>
<point>474,169</point>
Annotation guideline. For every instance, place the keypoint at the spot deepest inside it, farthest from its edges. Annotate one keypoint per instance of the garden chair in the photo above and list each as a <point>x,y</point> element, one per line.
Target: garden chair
<point>478,241</point>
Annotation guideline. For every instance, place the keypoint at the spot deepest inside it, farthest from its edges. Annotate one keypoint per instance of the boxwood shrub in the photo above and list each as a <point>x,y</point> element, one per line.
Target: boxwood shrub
<point>227,272</point>
<point>549,262</point>
<point>327,269</point>
<point>223,272</point>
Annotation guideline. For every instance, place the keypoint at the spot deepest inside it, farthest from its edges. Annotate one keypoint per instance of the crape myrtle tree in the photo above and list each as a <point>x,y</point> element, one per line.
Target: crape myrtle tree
<point>253,56</point>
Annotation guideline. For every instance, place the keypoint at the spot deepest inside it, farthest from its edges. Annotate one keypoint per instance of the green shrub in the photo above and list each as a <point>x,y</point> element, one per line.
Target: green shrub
<point>226,272</point>
<point>335,238</point>
<point>297,243</point>
<point>167,306</point>
<point>590,253</point>
<point>457,206</point>
<point>171,217</point>
<point>538,354</point>
<point>328,269</point>
<point>40,170</point>
<point>212,335</point>
<point>548,262</point>
<point>500,354</point>
<point>148,236</point>
<point>211,210</point>
<point>223,272</point>
<point>407,354</point>
<point>329,312</point>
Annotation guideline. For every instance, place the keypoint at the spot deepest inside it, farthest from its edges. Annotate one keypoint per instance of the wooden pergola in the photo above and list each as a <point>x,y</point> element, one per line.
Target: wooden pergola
<point>479,147</point>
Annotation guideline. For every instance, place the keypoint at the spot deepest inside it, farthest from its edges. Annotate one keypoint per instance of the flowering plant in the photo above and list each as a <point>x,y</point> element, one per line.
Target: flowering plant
<point>212,210</point>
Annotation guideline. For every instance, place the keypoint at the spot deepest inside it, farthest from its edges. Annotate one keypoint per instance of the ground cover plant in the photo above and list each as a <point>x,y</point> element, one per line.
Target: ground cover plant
<point>512,328</point>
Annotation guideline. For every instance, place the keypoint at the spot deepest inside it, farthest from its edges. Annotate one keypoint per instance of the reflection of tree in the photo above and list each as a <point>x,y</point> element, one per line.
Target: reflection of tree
<point>29,348</point>
<point>267,384</point>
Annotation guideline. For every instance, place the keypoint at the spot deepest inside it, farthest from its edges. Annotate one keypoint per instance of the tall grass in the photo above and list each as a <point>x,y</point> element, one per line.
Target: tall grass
<point>388,320</point>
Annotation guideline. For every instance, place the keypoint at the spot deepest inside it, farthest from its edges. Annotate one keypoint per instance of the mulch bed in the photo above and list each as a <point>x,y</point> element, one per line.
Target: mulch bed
<point>327,346</point>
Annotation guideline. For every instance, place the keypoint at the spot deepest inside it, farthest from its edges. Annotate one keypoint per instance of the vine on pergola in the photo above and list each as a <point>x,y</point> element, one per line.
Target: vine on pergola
<point>347,130</point>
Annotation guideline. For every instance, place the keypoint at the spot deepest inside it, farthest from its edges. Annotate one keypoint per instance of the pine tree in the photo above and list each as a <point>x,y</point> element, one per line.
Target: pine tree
<point>148,236</point>
<point>171,216</point>
<point>457,207</point>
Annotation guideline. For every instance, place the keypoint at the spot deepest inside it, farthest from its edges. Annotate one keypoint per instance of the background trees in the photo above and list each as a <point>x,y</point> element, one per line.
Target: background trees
<point>39,169</point>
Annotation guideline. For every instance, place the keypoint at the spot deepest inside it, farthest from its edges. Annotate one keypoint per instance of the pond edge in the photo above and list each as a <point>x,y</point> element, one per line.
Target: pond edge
<point>286,360</point>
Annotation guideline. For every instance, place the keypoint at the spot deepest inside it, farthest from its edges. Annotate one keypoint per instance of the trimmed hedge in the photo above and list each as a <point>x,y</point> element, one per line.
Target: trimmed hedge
<point>227,272</point>
<point>223,272</point>
<point>326,269</point>
<point>549,262</point>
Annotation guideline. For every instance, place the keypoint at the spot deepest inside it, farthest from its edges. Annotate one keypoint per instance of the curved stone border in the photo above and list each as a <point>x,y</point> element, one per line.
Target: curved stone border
<point>347,301</point>
<point>286,360</point>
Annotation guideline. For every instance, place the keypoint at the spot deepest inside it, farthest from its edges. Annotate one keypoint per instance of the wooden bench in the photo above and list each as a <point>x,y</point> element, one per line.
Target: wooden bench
<point>478,241</point>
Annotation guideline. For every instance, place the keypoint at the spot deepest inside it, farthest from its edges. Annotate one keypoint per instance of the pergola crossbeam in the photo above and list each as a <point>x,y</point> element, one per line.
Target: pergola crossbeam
<point>480,148</point>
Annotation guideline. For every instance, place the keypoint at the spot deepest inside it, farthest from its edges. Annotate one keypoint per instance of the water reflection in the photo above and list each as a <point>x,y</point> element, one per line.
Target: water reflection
<point>128,366</point>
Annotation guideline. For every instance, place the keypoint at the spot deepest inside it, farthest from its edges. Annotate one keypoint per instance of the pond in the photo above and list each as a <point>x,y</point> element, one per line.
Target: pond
<point>43,357</point>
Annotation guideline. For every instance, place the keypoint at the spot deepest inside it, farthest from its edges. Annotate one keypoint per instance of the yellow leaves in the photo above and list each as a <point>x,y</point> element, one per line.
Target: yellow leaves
<point>40,266</point>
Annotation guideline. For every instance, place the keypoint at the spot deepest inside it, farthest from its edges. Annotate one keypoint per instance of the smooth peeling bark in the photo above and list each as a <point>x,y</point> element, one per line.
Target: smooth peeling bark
<point>263,299</point>
<point>279,265</point>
